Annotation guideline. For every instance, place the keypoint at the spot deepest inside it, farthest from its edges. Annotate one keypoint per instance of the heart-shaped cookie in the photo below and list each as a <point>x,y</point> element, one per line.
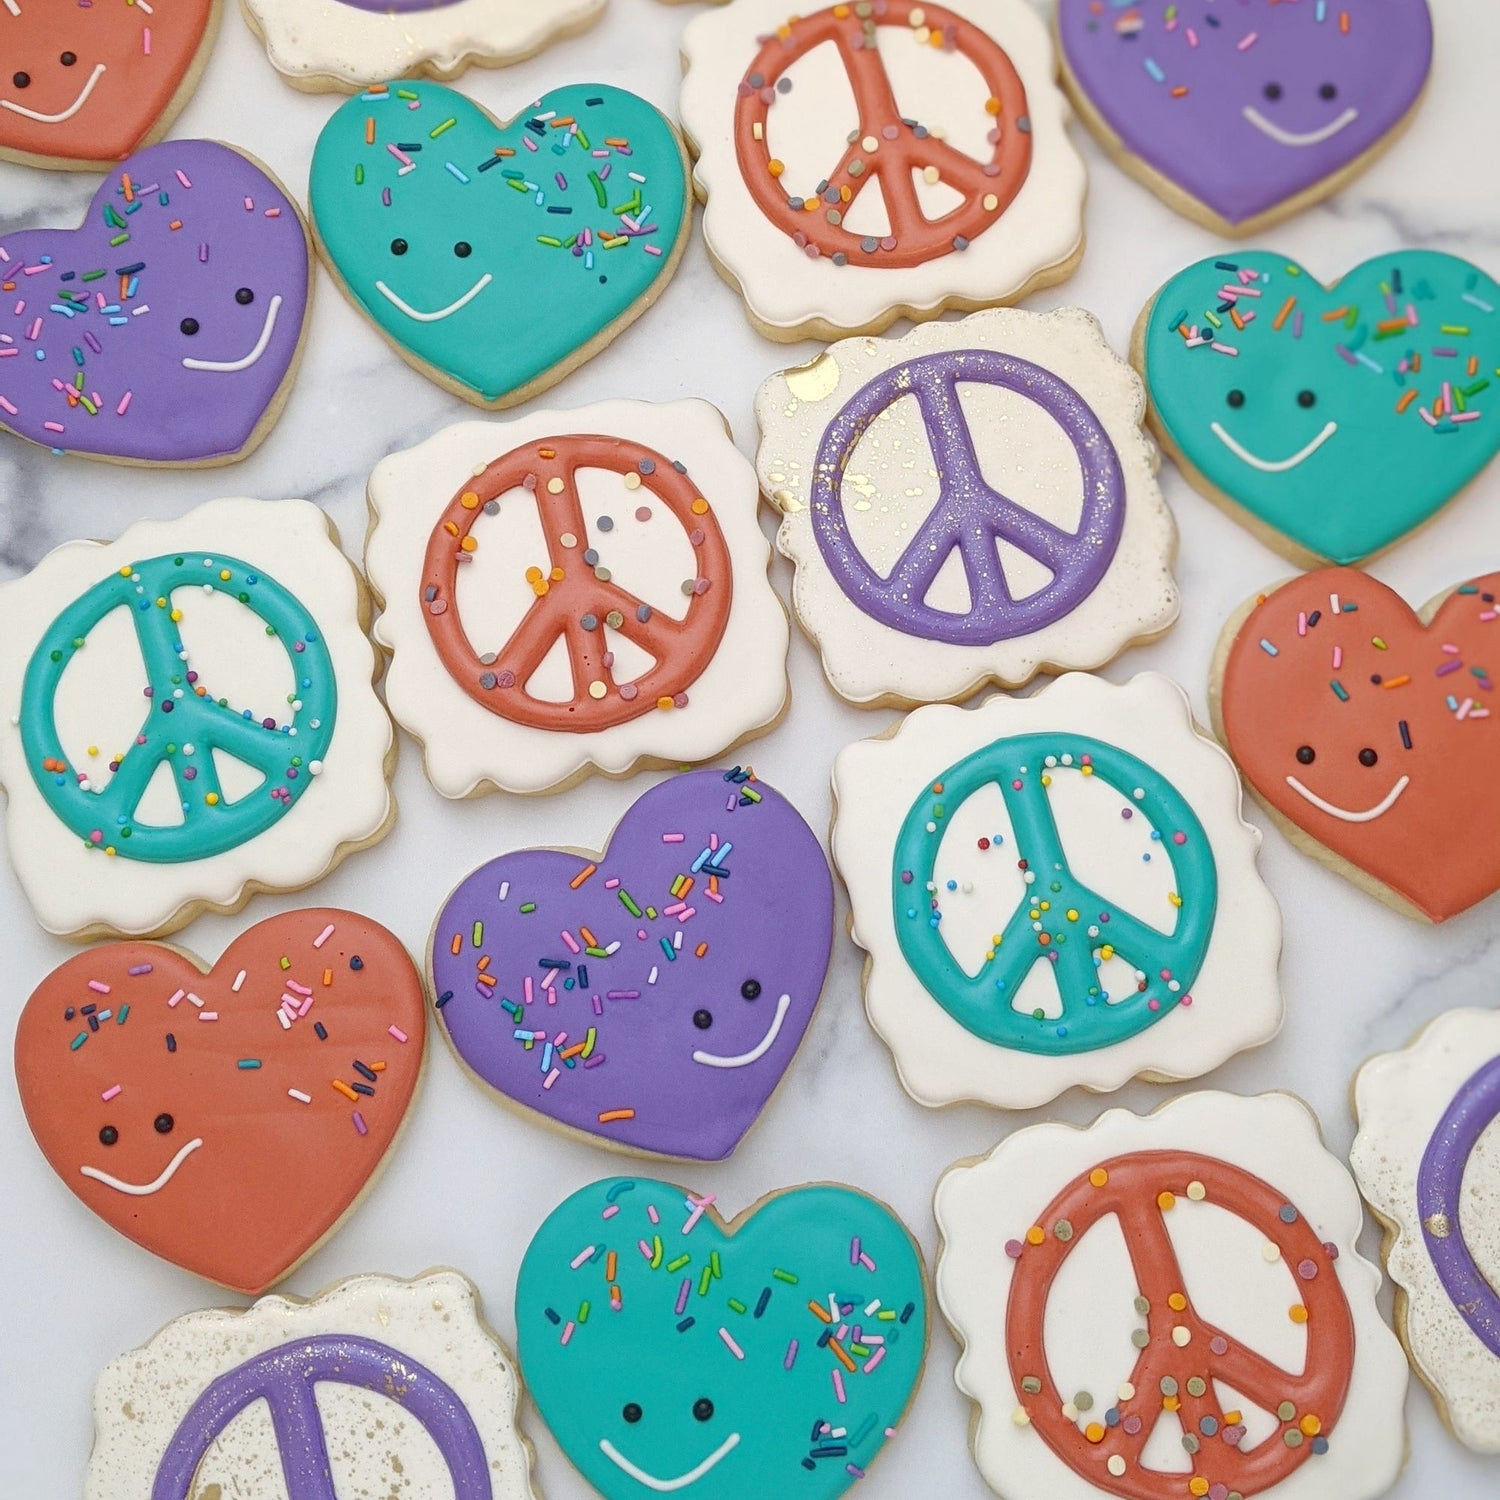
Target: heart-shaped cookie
<point>1374,731</point>
<point>1240,115</point>
<point>652,997</point>
<point>166,329</point>
<point>82,86</point>
<point>772,1356</point>
<point>226,1119</point>
<point>496,257</point>
<point>1332,420</point>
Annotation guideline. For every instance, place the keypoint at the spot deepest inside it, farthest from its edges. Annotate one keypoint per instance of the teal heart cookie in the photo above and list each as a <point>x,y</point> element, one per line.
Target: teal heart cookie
<point>1338,418</point>
<point>494,257</point>
<point>668,1352</point>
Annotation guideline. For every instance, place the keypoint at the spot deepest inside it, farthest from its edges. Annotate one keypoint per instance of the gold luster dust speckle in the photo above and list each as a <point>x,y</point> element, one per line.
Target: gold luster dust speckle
<point>1438,1226</point>
<point>814,380</point>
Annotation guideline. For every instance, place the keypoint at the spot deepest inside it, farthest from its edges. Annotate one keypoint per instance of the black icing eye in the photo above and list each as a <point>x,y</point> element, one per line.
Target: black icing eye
<point>1306,755</point>
<point>1367,757</point>
<point>244,296</point>
<point>1328,91</point>
<point>163,1124</point>
<point>108,1136</point>
<point>68,59</point>
<point>631,1413</point>
<point>463,249</point>
<point>1236,399</point>
<point>703,1408</point>
<point>22,80</point>
<point>189,326</point>
<point>399,247</point>
<point>703,1019</point>
<point>1306,398</point>
<point>1272,91</point>
<point>750,989</point>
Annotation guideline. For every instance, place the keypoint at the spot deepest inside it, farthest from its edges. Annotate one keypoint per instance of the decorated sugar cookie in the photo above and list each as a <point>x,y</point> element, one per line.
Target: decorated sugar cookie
<point>1170,1306</point>
<point>974,502</point>
<point>226,1118</point>
<point>864,162</point>
<point>82,86</point>
<point>1240,115</point>
<point>345,45</point>
<point>1330,420</point>
<point>187,717</point>
<point>650,997</point>
<point>1055,891</point>
<point>372,1383</point>
<point>167,328</point>
<point>496,258</point>
<point>1428,1163</point>
<point>669,1350</point>
<point>1368,730</point>
<point>573,591</point>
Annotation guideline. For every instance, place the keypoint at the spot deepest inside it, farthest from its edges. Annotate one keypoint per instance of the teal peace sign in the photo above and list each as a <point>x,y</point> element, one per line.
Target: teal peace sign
<point>1060,921</point>
<point>184,724</point>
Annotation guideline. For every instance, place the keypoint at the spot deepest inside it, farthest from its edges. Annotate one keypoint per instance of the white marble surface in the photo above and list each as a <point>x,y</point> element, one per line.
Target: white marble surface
<point>469,1181</point>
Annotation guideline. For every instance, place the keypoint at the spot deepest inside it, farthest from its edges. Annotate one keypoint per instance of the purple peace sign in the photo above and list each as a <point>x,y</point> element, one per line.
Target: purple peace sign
<point>1439,1185</point>
<point>285,1379</point>
<point>971,516</point>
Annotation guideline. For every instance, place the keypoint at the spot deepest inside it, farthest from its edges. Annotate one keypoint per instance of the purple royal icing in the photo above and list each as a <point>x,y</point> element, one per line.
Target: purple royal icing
<point>644,1003</point>
<point>118,339</point>
<point>1439,1189</point>
<point>1296,66</point>
<point>286,1378</point>
<point>970,516</point>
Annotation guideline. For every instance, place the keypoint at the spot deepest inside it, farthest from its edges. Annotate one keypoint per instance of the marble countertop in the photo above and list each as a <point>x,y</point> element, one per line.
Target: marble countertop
<point>469,1182</point>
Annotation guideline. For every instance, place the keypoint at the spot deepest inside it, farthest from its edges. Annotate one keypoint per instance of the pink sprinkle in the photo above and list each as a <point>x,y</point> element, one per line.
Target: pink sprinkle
<point>571,941</point>
<point>874,1360</point>
<point>297,989</point>
<point>582,1258</point>
<point>611,884</point>
<point>652,249</point>
<point>567,1332</point>
<point>124,405</point>
<point>98,986</point>
<point>699,1204</point>
<point>866,1262</point>
<point>1449,648</point>
<point>395,151</point>
<point>54,426</point>
<point>208,1015</point>
<point>652,1214</point>
<point>1247,41</point>
<point>249,205</point>
<point>527,992</point>
<point>838,1385</point>
<point>1465,416</point>
<point>396,1032</point>
<point>359,1123</point>
<point>323,936</point>
<point>7,407</point>
<point>176,999</point>
<point>1228,349</point>
<point>610,1211</point>
<point>110,1093</point>
<point>739,1353</point>
<point>1338,657</point>
<point>672,838</point>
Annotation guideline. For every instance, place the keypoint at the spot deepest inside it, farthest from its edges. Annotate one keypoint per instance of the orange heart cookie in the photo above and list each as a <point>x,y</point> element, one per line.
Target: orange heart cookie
<point>1372,729</point>
<point>226,1118</point>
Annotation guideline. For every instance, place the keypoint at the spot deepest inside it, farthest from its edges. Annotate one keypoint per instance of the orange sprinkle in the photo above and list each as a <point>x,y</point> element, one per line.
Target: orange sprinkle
<point>700,950</point>
<point>1284,314</point>
<point>484,963</point>
<point>345,1090</point>
<point>581,876</point>
<point>1094,1432</point>
<point>819,1312</point>
<point>128,186</point>
<point>327,978</point>
<point>611,1265</point>
<point>1164,1201</point>
<point>1297,1312</point>
<point>1098,1177</point>
<point>369,130</point>
<point>573,1051</point>
<point>1406,400</point>
<point>611,1115</point>
<point>1336,315</point>
<point>590,941</point>
<point>1035,1235</point>
<point>457,945</point>
<point>377,1067</point>
<point>487,980</point>
<point>1395,682</point>
<point>841,1356</point>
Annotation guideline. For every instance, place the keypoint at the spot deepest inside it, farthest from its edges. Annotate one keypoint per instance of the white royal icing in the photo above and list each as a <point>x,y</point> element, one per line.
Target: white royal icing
<point>1236,1280</point>
<point>309,40</point>
<point>1400,1097</point>
<point>375,1445</point>
<point>891,485</point>
<point>1235,998</point>
<point>809,130</point>
<point>741,690</point>
<point>100,709</point>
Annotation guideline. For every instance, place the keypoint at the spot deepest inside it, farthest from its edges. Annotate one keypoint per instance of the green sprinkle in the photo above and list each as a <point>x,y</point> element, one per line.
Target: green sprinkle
<point>676,1265</point>
<point>628,904</point>
<point>527,907</point>
<point>78,1041</point>
<point>583,1312</point>
<point>446,126</point>
<point>785,1276</point>
<point>478,933</point>
<point>599,192</point>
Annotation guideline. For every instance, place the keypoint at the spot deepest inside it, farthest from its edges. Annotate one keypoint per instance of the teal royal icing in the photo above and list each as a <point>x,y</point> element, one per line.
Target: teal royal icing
<point>495,253</point>
<point>1341,418</point>
<point>181,712</point>
<point>1036,933</point>
<point>669,1356</point>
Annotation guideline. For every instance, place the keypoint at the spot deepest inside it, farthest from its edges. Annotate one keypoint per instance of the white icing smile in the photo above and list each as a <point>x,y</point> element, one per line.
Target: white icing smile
<point>744,1059</point>
<point>667,1486</point>
<point>1369,815</point>
<point>444,312</point>
<point>1274,466</point>
<point>229,366</point>
<point>146,1189</point>
<point>1295,138</point>
<point>69,112</point>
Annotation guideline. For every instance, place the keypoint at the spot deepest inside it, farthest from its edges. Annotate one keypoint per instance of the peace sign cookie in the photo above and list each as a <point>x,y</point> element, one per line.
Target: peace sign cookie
<point>864,162</point>
<point>317,1400</point>
<point>974,502</point>
<point>575,591</point>
<point>1428,1163</point>
<point>188,718</point>
<point>1055,891</point>
<point>344,45</point>
<point>1170,1308</point>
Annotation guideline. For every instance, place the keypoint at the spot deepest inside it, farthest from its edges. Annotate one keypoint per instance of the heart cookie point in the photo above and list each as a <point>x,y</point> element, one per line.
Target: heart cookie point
<point>652,997</point>
<point>226,1119</point>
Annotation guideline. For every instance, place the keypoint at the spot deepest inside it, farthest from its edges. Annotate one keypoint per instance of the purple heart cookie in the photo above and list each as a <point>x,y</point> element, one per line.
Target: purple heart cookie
<point>166,328</point>
<point>1252,109</point>
<point>652,998</point>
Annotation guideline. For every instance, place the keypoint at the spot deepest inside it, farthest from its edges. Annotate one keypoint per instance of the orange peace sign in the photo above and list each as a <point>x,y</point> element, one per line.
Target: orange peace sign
<point>887,146</point>
<point>576,599</point>
<point>1181,1353</point>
